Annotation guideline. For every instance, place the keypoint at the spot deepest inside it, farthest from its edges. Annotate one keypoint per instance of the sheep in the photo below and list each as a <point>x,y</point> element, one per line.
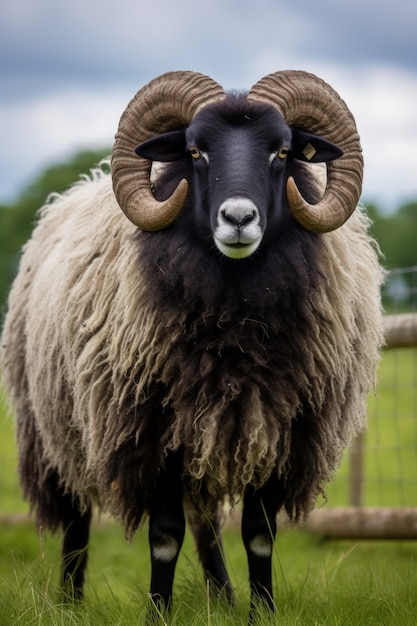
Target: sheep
<point>215,339</point>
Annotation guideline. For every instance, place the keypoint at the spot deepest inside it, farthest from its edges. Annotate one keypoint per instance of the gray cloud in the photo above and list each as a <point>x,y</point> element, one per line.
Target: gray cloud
<point>68,69</point>
<point>116,41</point>
<point>361,31</point>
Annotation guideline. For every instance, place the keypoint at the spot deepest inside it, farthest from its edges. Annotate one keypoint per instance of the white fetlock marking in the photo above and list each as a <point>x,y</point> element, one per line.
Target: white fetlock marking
<point>261,546</point>
<point>166,550</point>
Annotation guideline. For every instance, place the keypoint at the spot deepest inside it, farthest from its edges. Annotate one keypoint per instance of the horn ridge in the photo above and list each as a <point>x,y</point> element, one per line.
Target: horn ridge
<point>308,102</point>
<point>167,102</point>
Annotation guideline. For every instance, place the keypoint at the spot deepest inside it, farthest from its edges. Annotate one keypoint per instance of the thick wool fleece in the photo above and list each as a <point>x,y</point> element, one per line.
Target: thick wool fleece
<point>120,346</point>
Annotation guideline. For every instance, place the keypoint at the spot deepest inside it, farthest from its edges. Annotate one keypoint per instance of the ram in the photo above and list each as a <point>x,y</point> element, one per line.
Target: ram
<point>216,339</point>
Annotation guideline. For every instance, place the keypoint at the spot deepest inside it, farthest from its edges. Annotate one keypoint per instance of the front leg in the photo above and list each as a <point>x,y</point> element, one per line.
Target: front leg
<point>166,531</point>
<point>258,532</point>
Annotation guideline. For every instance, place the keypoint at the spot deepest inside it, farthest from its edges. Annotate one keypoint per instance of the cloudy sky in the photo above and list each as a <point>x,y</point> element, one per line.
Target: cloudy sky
<point>67,70</point>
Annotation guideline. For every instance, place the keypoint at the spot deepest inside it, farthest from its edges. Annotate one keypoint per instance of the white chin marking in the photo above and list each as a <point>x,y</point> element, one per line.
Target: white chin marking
<point>236,252</point>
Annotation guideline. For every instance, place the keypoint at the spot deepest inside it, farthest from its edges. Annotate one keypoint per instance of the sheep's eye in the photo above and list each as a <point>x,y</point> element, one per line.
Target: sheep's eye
<point>195,152</point>
<point>283,153</point>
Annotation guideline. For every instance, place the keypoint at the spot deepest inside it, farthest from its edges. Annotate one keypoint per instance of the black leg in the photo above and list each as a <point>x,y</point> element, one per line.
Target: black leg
<point>209,543</point>
<point>76,527</point>
<point>258,531</point>
<point>166,532</point>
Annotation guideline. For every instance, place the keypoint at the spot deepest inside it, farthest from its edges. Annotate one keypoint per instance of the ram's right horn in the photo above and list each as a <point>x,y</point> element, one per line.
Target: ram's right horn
<point>166,103</point>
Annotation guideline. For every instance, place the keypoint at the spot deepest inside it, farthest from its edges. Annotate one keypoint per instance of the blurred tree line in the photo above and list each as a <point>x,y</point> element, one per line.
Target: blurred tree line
<point>18,219</point>
<point>396,233</point>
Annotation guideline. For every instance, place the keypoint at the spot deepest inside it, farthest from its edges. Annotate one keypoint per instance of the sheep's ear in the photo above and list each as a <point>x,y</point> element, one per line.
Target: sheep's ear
<point>311,148</point>
<point>166,147</point>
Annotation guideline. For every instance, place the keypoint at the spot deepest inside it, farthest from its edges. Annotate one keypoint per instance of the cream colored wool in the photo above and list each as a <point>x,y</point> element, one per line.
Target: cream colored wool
<point>83,347</point>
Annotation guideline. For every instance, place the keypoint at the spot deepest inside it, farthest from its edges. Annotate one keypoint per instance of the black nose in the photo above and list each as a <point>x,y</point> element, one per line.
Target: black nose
<point>237,213</point>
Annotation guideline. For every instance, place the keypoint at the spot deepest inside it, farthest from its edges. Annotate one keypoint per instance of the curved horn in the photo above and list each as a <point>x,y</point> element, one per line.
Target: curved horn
<point>306,101</point>
<point>167,102</point>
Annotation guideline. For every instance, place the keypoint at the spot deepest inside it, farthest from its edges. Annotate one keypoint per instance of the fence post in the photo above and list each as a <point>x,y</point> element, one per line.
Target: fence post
<point>356,461</point>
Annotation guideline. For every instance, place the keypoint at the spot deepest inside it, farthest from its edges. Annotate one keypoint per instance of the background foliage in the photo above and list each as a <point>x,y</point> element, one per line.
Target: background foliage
<point>395,233</point>
<point>18,218</point>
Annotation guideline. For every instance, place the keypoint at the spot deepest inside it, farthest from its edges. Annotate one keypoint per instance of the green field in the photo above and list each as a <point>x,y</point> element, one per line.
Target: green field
<point>316,582</point>
<point>390,444</point>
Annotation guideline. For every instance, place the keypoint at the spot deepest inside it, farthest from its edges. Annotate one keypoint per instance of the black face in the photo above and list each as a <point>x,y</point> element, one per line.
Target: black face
<point>240,165</point>
<point>240,153</point>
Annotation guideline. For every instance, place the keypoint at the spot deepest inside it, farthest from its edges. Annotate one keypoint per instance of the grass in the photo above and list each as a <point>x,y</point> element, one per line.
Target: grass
<point>315,581</point>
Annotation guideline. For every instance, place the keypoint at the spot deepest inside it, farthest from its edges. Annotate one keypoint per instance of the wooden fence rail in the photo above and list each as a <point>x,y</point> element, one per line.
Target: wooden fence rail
<point>400,331</point>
